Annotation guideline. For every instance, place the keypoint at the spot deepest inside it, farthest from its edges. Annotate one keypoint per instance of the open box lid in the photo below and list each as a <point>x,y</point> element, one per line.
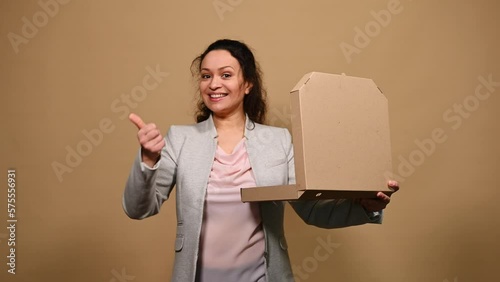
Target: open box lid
<point>340,130</point>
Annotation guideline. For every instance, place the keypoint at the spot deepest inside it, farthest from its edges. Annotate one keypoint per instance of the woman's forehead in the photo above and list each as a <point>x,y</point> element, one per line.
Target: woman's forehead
<point>219,59</point>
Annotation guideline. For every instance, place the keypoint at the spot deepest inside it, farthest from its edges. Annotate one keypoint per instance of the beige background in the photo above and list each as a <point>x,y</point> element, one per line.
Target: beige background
<point>443,224</point>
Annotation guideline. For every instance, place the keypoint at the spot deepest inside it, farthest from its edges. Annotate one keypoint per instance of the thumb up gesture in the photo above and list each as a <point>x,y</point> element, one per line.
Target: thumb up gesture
<point>150,138</point>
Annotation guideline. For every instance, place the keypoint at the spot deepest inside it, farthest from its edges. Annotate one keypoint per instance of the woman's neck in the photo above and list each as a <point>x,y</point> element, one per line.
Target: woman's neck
<point>230,130</point>
<point>235,122</point>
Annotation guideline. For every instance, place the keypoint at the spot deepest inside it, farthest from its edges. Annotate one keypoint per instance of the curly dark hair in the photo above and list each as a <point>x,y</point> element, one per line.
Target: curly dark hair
<point>254,103</point>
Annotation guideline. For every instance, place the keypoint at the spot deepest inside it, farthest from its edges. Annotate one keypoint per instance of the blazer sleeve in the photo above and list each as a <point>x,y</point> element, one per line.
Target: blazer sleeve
<point>333,213</point>
<point>147,188</point>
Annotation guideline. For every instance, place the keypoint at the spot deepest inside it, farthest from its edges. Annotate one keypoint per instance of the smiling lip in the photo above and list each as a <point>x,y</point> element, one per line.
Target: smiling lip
<point>216,96</point>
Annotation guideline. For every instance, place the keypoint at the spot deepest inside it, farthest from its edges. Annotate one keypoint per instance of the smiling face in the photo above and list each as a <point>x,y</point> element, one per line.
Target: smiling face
<point>222,86</point>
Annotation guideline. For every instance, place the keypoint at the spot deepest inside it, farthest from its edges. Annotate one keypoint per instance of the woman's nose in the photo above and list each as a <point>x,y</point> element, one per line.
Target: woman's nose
<point>214,83</point>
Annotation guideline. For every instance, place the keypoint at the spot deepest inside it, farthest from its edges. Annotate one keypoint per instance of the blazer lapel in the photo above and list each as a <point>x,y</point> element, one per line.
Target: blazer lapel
<point>202,152</point>
<point>254,149</point>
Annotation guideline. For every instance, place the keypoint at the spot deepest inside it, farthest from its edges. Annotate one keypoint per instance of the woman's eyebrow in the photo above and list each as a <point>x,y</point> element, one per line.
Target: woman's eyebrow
<point>218,68</point>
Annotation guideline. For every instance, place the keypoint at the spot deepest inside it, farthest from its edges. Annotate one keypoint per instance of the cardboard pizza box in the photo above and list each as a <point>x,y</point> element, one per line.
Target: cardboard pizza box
<point>340,130</point>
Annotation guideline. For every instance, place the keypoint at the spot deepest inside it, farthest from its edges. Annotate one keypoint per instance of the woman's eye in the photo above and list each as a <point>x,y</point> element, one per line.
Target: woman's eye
<point>226,75</point>
<point>205,76</point>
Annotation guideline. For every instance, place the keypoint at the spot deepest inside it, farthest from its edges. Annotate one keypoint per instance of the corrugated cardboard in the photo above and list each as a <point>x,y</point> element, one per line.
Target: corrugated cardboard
<point>340,129</point>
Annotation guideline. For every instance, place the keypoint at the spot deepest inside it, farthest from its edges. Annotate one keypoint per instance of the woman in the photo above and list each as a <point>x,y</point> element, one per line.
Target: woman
<point>219,238</point>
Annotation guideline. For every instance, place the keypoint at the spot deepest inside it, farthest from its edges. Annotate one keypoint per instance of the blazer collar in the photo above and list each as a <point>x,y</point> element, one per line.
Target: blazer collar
<point>209,127</point>
<point>249,128</point>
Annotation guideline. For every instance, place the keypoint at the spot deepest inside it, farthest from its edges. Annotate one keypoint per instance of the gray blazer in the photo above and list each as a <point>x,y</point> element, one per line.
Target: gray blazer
<point>186,162</point>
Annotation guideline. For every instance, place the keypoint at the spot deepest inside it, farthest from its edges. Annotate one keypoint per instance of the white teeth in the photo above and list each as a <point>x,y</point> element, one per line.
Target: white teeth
<point>217,95</point>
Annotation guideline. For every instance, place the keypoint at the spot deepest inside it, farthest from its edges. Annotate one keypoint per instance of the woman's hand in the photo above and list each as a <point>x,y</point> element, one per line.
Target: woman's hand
<point>150,138</point>
<point>382,200</point>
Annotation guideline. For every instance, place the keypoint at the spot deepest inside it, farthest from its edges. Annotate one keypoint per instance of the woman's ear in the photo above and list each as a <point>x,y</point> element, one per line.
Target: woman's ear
<point>248,87</point>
